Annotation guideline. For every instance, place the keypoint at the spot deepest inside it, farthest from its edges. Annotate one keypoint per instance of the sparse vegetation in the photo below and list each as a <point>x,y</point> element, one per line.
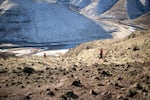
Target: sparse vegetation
<point>123,74</point>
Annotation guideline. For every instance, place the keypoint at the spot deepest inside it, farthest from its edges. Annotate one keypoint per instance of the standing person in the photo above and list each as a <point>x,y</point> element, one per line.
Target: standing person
<point>44,55</point>
<point>101,53</point>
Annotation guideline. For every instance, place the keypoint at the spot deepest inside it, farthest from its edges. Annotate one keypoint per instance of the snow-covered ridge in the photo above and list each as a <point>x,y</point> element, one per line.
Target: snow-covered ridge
<point>45,21</point>
<point>98,8</point>
<point>51,21</point>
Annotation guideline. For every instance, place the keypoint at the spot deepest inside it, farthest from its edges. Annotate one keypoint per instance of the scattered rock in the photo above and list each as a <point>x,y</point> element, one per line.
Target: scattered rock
<point>56,89</point>
<point>19,68</point>
<point>51,93</point>
<point>5,96</point>
<point>120,78</point>
<point>6,85</point>
<point>74,69</point>
<point>39,86</point>
<point>64,97</point>
<point>93,92</point>
<point>125,67</point>
<point>117,65</point>
<point>77,83</point>
<point>28,82</point>
<point>131,93</point>
<point>18,83</point>
<point>27,97</point>
<point>96,64</point>
<point>75,65</point>
<point>13,83</point>
<point>118,85</point>
<point>100,85</point>
<point>107,96</point>
<point>69,95</point>
<point>48,89</point>
<point>145,90</point>
<point>99,69</point>
<point>105,74</point>
<point>138,86</point>
<point>135,48</point>
<point>22,86</point>
<point>120,97</point>
<point>125,98</point>
<point>40,72</point>
<point>14,71</point>
<point>2,70</point>
<point>28,70</point>
<point>97,78</point>
<point>72,76</point>
<point>88,47</point>
<point>105,60</point>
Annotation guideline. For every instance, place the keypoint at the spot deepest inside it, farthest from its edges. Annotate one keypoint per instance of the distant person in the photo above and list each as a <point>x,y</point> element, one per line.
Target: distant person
<point>101,53</point>
<point>44,55</point>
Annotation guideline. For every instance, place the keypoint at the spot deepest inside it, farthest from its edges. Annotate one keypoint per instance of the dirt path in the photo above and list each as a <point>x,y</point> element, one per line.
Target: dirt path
<point>116,29</point>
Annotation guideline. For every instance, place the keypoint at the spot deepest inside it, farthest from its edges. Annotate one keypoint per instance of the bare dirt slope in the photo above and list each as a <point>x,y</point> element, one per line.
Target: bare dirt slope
<point>116,50</point>
<point>122,74</point>
<point>118,11</point>
<point>143,20</point>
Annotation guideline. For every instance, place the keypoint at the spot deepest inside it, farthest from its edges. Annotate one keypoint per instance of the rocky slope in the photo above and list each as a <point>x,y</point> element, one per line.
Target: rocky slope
<point>122,74</point>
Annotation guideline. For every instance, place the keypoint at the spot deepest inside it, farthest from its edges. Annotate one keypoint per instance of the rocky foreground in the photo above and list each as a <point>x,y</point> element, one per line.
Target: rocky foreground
<point>122,74</point>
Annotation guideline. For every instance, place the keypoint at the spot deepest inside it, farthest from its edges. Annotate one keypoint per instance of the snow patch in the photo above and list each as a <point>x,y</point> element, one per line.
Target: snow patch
<point>52,52</point>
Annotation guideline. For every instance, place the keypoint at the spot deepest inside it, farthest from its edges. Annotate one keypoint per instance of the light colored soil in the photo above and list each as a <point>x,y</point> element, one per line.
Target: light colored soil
<point>122,74</point>
<point>143,21</point>
<point>118,30</point>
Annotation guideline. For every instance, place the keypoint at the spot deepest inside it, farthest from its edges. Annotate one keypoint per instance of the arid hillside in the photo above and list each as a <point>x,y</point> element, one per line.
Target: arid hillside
<point>123,72</point>
<point>143,20</point>
<point>134,48</point>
